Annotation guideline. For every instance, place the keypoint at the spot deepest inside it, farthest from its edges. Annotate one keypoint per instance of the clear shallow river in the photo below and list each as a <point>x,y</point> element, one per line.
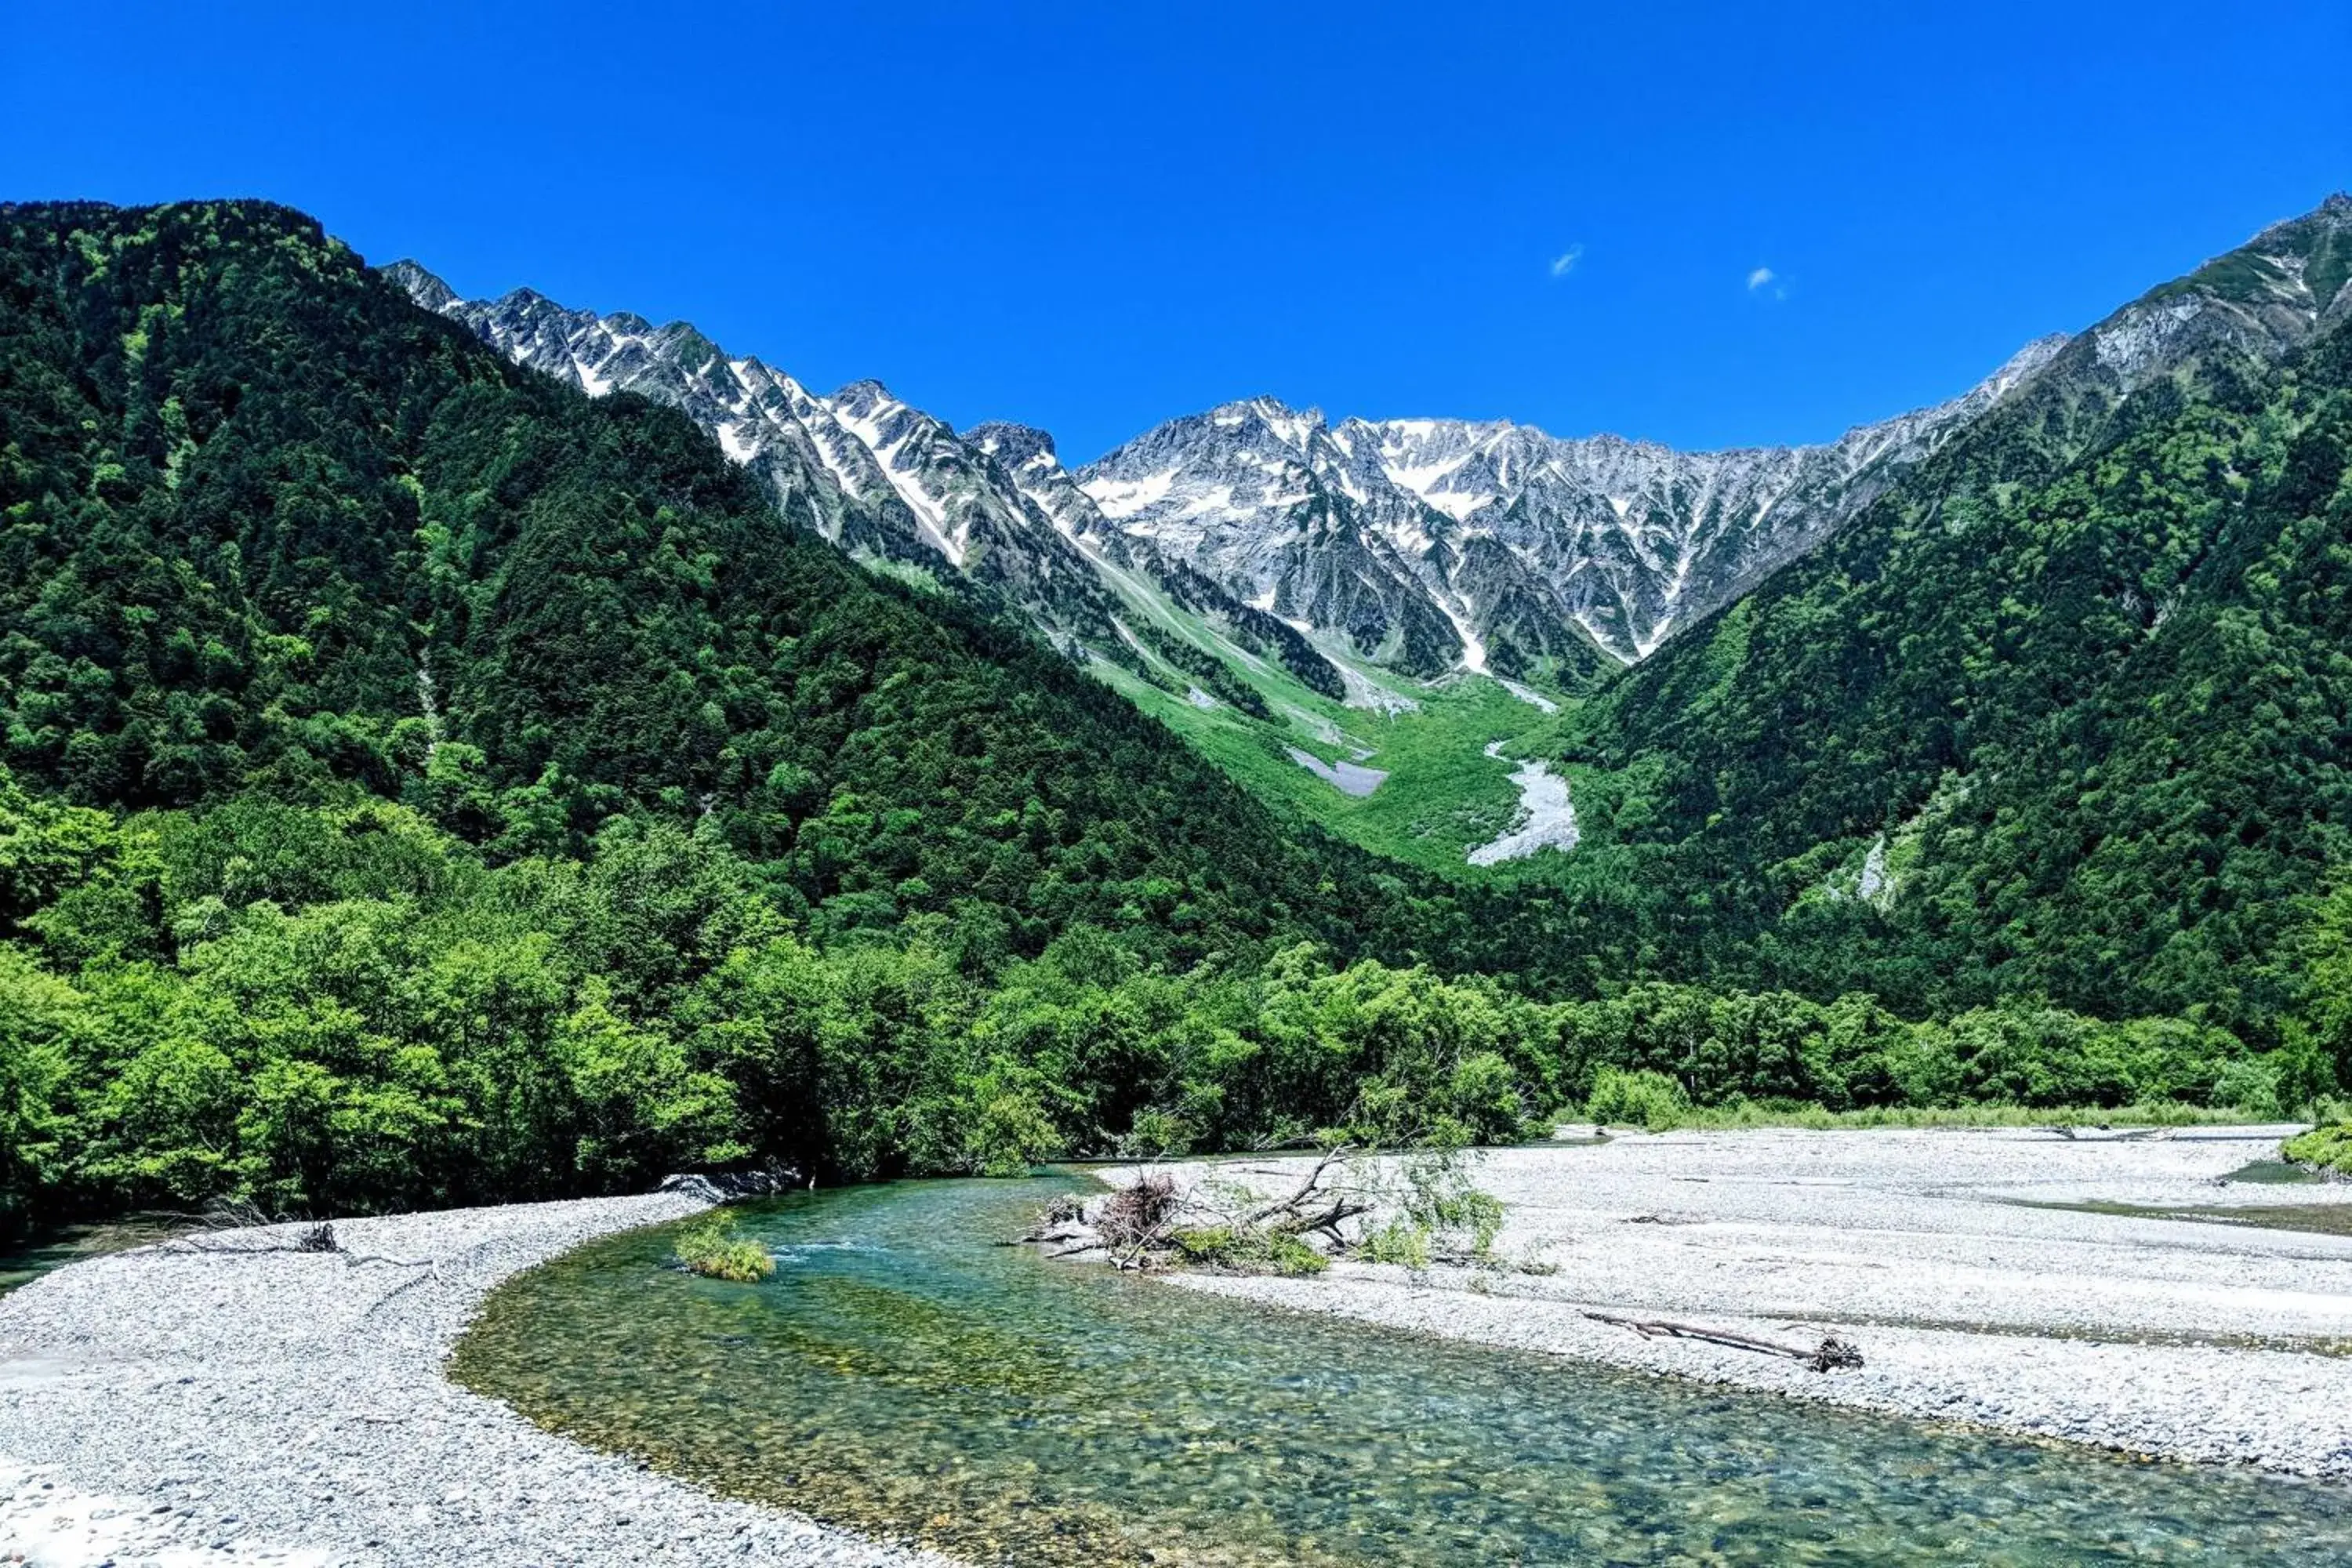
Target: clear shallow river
<point>903,1374</point>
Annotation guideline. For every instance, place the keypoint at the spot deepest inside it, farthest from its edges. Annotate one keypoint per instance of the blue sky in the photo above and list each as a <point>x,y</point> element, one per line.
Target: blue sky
<point>1093,217</point>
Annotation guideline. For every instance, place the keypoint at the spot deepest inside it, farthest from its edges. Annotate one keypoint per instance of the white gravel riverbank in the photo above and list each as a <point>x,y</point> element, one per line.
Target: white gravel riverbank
<point>185,1409</point>
<point>182,1409</point>
<point>2214,1342</point>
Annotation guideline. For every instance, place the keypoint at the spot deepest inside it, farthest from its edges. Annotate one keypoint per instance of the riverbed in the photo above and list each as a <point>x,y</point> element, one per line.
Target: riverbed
<point>2026,1280</point>
<point>907,1376</point>
<point>244,1405</point>
<point>1546,817</point>
<point>926,1380</point>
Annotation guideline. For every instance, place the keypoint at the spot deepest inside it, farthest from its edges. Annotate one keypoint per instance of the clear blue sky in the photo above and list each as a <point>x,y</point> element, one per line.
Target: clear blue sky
<point>1093,217</point>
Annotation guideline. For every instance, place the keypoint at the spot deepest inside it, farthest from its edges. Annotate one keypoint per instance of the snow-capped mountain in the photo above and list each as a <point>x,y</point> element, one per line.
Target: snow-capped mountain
<point>1423,544</point>
<point>867,471</point>
<point>1419,543</point>
<point>1428,540</point>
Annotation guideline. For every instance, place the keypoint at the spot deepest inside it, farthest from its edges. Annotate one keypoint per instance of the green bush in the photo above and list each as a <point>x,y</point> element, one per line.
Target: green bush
<point>1013,1134</point>
<point>2250,1084</point>
<point>712,1247</point>
<point>1204,1243</point>
<point>1482,1095</point>
<point>1241,1252</point>
<point>1646,1100</point>
<point>2325,1148</point>
<point>1157,1134</point>
<point>1399,1242</point>
<point>1435,1197</point>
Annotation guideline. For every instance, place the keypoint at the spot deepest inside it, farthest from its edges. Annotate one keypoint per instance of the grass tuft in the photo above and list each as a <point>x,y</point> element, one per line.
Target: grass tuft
<point>712,1247</point>
<point>1237,1252</point>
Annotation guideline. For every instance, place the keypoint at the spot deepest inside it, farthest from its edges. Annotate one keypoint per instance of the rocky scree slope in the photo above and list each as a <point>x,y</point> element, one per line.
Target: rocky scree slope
<point>880,478</point>
<point>1423,544</point>
<point>1427,542</point>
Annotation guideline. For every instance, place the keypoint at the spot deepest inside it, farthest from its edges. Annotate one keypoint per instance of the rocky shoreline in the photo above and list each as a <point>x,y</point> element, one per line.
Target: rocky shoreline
<point>243,1401</point>
<point>1958,1259</point>
<point>248,1404</point>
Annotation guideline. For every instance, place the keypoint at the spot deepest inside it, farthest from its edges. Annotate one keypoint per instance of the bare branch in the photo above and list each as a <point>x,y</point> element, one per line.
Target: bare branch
<point>1833,1353</point>
<point>313,1239</point>
<point>1306,1188</point>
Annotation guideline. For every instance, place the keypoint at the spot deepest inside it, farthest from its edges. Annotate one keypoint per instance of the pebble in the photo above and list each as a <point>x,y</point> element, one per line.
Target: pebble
<point>1932,1250</point>
<point>190,1410</point>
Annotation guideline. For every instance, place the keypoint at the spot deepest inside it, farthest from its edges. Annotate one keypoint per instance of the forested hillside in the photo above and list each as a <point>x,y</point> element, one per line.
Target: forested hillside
<point>273,529</point>
<point>302,574</point>
<point>2065,715</point>
<point>422,783</point>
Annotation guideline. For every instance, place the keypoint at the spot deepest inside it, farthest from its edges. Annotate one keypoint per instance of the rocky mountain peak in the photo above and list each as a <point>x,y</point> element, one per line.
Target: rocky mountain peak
<point>864,393</point>
<point>422,286</point>
<point>1423,544</point>
<point>1013,445</point>
<point>2332,216</point>
<point>1479,537</point>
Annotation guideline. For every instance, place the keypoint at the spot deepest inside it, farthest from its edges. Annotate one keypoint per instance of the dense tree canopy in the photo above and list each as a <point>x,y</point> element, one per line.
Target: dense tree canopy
<point>271,528</point>
<point>421,783</point>
<point>2090,701</point>
<point>325,1008</point>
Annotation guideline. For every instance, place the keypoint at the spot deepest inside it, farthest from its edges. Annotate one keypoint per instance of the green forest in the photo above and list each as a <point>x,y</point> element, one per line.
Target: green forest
<point>2087,679</point>
<point>423,783</point>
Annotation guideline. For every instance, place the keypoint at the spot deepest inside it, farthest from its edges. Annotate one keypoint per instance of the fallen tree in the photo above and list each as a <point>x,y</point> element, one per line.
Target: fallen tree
<point>1832,1354</point>
<point>1417,1207</point>
<point>319,1239</point>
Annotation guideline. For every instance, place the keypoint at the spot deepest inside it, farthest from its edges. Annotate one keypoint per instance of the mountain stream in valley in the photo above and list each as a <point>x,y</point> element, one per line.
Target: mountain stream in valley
<point>906,1373</point>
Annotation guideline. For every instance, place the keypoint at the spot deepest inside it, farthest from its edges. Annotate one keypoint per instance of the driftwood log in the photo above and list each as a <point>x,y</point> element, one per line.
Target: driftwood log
<point>312,1238</point>
<point>1832,1354</point>
<point>1136,1225</point>
<point>1313,1205</point>
<point>2129,1135</point>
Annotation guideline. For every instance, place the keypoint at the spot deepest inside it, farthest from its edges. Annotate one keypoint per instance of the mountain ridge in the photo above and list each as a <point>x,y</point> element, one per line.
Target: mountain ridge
<point>2061,715</point>
<point>1248,571</point>
<point>1349,551</point>
<point>1424,544</point>
<point>1603,534</point>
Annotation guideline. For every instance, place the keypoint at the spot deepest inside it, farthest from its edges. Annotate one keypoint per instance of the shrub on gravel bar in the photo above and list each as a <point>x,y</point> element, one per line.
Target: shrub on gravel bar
<point>1645,1099</point>
<point>710,1248</point>
<point>2327,1149</point>
<point>1233,1251</point>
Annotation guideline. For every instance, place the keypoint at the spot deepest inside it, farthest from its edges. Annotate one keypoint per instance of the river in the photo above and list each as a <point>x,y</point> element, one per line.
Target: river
<point>906,1374</point>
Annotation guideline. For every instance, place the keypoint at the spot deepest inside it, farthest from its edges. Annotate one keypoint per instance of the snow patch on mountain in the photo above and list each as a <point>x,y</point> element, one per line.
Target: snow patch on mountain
<point>1124,498</point>
<point>1528,695</point>
<point>1396,534</point>
<point>1347,778</point>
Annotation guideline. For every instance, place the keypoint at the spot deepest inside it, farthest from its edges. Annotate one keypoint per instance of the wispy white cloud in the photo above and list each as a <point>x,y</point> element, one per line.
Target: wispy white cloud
<point>1565,262</point>
<point>1758,278</point>
<point>1768,283</point>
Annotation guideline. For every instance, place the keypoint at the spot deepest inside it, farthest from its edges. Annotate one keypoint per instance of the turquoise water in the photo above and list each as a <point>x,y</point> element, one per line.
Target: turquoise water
<point>27,1260</point>
<point>905,1374</point>
<point>20,1265</point>
<point>2276,1173</point>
